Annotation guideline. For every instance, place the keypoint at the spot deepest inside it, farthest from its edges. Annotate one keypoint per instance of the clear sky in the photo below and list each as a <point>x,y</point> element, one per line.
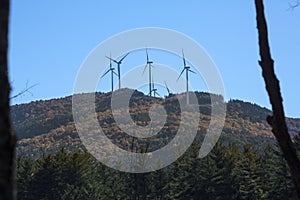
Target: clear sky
<point>49,40</point>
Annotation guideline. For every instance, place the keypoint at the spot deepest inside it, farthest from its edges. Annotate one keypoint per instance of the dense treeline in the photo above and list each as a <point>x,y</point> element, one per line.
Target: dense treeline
<point>228,172</point>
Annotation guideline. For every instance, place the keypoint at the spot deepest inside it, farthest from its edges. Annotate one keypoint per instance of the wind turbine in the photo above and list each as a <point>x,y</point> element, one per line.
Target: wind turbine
<point>187,70</point>
<point>149,65</point>
<point>153,89</point>
<point>167,88</point>
<point>111,69</point>
<point>119,66</point>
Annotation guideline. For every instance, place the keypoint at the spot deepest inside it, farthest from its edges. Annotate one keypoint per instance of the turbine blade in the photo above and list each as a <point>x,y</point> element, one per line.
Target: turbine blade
<point>180,74</point>
<point>115,73</point>
<point>184,63</point>
<point>167,88</point>
<point>105,73</point>
<point>112,59</point>
<point>123,58</point>
<point>192,71</point>
<point>145,69</point>
<point>157,94</point>
<point>110,64</point>
<point>147,55</point>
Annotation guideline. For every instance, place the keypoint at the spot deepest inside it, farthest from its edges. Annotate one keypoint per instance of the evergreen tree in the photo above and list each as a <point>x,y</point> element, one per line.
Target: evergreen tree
<point>26,169</point>
<point>248,171</point>
<point>277,179</point>
<point>225,173</point>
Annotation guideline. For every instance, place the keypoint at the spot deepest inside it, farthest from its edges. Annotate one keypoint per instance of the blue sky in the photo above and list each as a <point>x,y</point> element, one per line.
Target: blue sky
<point>49,40</point>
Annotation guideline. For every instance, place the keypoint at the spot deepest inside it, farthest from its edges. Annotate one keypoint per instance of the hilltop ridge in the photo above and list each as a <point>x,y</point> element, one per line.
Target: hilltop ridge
<point>45,126</point>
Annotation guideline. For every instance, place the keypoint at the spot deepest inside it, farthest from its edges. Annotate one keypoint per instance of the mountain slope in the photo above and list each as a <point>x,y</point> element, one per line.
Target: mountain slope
<point>47,126</point>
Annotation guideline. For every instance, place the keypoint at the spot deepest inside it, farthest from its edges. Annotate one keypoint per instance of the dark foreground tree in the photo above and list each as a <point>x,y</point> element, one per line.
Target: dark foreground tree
<point>7,141</point>
<point>277,121</point>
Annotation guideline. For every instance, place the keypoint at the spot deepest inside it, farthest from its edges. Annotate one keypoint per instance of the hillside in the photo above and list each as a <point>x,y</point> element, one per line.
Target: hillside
<point>47,126</point>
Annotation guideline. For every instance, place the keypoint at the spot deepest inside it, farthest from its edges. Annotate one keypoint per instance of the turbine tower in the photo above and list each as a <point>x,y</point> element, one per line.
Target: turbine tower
<point>119,66</point>
<point>111,69</point>
<point>149,65</point>
<point>187,70</point>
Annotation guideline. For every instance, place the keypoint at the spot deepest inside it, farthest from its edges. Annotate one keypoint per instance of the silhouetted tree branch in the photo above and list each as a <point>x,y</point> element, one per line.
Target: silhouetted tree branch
<point>7,140</point>
<point>25,90</point>
<point>277,121</point>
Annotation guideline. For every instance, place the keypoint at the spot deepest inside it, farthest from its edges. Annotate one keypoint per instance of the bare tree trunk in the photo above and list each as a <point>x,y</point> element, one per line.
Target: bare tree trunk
<point>7,141</point>
<point>277,121</point>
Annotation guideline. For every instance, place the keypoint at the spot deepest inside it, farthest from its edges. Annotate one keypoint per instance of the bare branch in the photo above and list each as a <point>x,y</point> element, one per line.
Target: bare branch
<point>25,90</point>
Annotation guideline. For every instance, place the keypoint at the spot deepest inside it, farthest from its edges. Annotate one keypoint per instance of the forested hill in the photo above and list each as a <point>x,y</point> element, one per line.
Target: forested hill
<point>46,126</point>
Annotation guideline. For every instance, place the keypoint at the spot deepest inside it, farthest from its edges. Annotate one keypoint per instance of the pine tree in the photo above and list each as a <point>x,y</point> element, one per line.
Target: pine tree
<point>277,180</point>
<point>26,168</point>
<point>224,179</point>
<point>248,172</point>
<point>159,184</point>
